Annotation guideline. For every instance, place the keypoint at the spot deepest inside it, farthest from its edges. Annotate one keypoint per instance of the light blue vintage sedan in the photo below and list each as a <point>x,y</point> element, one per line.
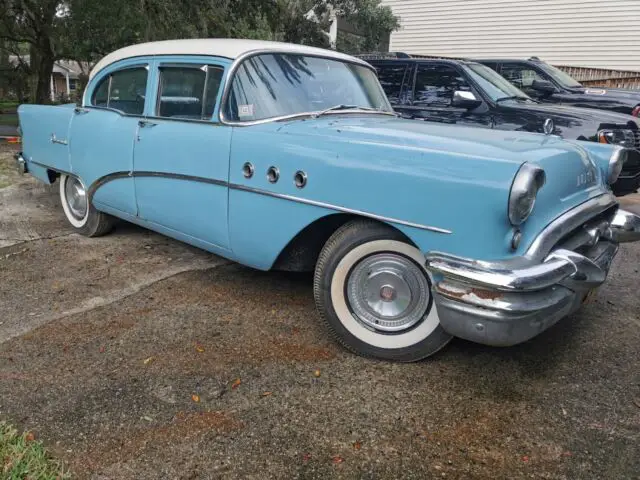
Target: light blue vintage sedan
<point>287,157</point>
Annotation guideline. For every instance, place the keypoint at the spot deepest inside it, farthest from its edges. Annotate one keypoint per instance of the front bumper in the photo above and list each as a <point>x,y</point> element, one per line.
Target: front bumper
<point>509,302</point>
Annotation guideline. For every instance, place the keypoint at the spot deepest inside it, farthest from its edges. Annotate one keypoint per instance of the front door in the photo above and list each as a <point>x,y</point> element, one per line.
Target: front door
<point>181,155</point>
<point>432,100</point>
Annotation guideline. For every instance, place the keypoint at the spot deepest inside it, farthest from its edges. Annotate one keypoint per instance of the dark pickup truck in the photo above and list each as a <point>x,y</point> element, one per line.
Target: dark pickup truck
<point>469,93</point>
<point>549,84</point>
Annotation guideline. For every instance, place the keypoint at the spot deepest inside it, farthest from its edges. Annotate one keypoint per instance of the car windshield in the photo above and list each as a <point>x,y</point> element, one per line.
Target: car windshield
<point>279,85</point>
<point>494,84</point>
<point>559,76</point>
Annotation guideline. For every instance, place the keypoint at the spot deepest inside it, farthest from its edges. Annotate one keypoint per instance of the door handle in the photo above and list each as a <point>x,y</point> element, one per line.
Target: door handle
<point>80,110</point>
<point>146,124</point>
<point>54,139</point>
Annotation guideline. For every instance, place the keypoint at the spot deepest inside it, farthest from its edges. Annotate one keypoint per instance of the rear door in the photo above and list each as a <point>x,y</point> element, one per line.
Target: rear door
<point>102,133</point>
<point>181,153</point>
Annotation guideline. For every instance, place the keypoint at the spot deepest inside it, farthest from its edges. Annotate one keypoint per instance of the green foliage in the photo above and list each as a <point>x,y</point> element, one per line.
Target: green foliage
<point>22,457</point>
<point>86,30</point>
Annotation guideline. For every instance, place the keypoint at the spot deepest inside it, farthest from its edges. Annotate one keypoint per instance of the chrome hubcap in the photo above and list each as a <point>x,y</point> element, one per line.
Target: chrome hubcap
<point>76,197</point>
<point>388,292</point>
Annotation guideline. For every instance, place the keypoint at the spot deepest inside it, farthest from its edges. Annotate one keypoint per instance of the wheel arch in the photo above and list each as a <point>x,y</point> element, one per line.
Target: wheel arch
<point>303,250</point>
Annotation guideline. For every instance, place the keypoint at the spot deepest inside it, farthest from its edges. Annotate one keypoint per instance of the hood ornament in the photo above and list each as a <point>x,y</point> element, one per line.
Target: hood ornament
<point>548,126</point>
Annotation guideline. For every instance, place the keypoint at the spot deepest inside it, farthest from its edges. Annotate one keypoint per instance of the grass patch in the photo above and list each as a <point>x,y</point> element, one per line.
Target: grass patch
<point>9,119</point>
<point>22,457</point>
<point>8,104</point>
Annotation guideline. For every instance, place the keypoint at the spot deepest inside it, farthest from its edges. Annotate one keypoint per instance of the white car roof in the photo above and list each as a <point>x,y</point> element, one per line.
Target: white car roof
<point>220,47</point>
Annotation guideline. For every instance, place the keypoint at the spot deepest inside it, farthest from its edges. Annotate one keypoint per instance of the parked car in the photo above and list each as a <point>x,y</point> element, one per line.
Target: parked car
<point>287,157</point>
<point>551,85</point>
<point>469,93</point>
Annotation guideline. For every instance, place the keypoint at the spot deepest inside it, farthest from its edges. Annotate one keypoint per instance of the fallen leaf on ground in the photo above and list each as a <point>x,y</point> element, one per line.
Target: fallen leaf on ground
<point>337,459</point>
<point>357,445</point>
<point>148,419</point>
<point>306,457</point>
<point>316,373</point>
<point>29,437</point>
<point>199,348</point>
<point>147,360</point>
<point>195,398</point>
<point>236,383</point>
<point>525,458</point>
<point>266,394</point>
<point>102,349</point>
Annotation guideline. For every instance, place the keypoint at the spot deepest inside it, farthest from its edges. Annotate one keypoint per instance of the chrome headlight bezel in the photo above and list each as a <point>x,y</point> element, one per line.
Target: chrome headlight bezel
<point>617,136</point>
<point>529,179</point>
<point>616,163</point>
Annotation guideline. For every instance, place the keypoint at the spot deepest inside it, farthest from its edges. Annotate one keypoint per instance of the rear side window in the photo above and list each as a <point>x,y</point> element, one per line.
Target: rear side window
<point>391,78</point>
<point>188,92</point>
<point>123,90</point>
<point>436,84</point>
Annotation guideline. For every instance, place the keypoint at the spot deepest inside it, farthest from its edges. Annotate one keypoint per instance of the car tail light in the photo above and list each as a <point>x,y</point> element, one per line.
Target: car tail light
<point>636,111</point>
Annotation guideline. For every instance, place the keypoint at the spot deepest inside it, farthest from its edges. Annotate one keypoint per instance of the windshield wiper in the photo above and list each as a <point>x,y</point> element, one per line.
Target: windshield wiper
<point>349,107</point>
<point>513,97</point>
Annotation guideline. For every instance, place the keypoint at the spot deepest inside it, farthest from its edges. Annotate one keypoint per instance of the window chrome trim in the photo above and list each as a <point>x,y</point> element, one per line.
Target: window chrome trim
<point>229,76</point>
<point>126,67</point>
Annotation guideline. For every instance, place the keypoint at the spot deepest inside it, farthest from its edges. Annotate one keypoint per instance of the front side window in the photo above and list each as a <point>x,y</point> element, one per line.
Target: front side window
<point>276,85</point>
<point>123,90</point>
<point>391,78</point>
<point>436,84</point>
<point>188,92</point>
<point>559,76</point>
<point>521,76</point>
<point>493,84</point>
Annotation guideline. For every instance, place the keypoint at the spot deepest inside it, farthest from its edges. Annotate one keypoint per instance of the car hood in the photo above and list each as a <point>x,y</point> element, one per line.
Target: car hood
<point>505,146</point>
<point>629,97</point>
<point>584,115</point>
<point>473,153</point>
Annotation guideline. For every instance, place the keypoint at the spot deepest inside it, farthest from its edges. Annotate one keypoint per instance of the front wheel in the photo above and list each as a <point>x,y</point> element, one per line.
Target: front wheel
<point>374,294</point>
<point>82,216</point>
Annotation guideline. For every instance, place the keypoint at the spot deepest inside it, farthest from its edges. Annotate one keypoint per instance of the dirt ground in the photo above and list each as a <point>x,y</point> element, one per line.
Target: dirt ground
<point>134,356</point>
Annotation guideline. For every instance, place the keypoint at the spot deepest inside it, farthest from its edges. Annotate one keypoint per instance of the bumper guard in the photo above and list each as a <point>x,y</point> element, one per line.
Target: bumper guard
<point>509,302</point>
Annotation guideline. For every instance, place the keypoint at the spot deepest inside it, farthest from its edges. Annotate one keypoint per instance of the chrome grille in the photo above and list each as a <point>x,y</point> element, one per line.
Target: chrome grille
<point>637,139</point>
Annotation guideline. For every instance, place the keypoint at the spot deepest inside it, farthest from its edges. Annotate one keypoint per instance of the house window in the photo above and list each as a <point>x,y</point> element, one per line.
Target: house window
<point>72,84</point>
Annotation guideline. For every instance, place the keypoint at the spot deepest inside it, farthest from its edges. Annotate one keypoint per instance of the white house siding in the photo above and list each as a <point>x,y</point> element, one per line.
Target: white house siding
<point>580,33</point>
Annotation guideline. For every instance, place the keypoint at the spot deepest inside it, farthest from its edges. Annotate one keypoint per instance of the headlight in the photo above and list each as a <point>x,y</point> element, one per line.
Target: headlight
<point>624,138</point>
<point>616,162</point>
<point>524,190</point>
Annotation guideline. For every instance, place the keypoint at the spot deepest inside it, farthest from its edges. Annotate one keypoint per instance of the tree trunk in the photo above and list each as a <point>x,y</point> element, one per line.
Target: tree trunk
<point>41,60</point>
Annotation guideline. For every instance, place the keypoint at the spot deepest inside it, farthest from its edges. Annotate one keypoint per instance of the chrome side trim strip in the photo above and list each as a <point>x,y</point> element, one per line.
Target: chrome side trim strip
<point>147,174</point>
<point>566,223</point>
<point>235,186</point>
<point>337,208</point>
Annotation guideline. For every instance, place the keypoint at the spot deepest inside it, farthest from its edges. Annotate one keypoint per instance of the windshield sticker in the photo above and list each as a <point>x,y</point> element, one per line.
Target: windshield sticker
<point>595,91</point>
<point>245,111</point>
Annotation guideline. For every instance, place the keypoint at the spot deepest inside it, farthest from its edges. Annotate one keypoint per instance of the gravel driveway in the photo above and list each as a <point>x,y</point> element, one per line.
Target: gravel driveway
<point>134,356</point>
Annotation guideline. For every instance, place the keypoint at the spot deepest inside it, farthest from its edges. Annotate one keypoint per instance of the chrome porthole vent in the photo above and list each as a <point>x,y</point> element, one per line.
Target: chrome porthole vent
<point>300,179</point>
<point>273,174</point>
<point>247,170</point>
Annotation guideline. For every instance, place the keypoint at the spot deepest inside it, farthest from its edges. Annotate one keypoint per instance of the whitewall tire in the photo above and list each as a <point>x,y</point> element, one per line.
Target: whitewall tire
<point>80,213</point>
<point>374,294</point>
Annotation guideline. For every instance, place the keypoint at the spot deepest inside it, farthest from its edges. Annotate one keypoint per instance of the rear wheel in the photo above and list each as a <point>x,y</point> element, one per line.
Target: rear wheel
<point>374,294</point>
<point>82,216</point>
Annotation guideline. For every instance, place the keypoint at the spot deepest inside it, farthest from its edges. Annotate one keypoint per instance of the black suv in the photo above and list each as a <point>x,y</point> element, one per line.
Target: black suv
<point>469,93</point>
<point>549,84</point>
